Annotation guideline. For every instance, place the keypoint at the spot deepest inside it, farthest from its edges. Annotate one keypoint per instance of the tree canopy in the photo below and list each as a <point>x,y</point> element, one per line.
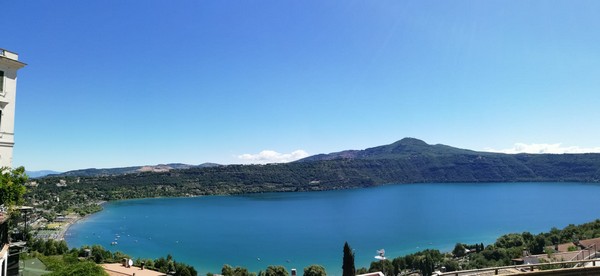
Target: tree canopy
<point>276,270</point>
<point>314,270</point>
<point>12,186</point>
<point>80,268</point>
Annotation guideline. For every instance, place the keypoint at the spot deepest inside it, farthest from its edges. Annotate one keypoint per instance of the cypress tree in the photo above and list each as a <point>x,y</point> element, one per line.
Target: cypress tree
<point>348,264</point>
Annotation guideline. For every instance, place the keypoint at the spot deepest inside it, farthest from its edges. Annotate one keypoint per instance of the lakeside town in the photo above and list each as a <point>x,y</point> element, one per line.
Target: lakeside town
<point>49,219</point>
<point>520,252</point>
<point>289,138</point>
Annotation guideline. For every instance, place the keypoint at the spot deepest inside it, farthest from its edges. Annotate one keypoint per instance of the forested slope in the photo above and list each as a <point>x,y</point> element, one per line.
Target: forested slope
<point>406,161</point>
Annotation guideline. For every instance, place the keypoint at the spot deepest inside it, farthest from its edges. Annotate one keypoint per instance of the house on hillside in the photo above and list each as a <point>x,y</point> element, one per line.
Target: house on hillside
<point>572,251</point>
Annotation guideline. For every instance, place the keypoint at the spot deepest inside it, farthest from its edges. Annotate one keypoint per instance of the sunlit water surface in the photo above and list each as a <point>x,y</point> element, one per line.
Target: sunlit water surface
<point>299,229</point>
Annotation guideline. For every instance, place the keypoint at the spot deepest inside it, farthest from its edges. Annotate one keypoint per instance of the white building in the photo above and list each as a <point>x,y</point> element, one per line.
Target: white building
<point>9,64</point>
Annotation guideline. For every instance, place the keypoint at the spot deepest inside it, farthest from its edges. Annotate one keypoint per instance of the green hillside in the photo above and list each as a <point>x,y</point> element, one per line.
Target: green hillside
<point>406,161</point>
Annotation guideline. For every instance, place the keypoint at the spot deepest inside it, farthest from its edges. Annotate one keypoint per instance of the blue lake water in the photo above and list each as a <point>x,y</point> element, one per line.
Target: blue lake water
<point>299,229</point>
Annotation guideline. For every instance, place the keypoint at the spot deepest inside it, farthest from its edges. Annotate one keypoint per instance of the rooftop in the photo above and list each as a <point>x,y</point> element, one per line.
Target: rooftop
<point>9,54</point>
<point>118,269</point>
<point>11,58</point>
<point>590,242</point>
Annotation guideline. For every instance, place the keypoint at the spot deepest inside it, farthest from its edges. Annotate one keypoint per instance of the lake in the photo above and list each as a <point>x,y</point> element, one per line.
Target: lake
<point>299,229</point>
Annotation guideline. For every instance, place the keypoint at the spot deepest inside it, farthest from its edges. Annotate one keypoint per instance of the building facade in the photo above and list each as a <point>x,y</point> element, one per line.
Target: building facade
<point>9,65</point>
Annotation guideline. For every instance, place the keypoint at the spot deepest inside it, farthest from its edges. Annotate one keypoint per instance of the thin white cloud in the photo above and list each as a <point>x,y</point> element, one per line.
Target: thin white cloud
<point>271,156</point>
<point>545,148</point>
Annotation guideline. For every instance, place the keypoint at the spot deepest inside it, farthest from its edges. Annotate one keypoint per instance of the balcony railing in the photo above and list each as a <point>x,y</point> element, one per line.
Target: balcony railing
<point>522,268</point>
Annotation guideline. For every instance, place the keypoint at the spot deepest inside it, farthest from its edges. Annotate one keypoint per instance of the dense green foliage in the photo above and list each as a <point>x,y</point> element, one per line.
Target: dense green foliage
<point>135,169</point>
<point>276,270</point>
<point>80,269</point>
<point>227,270</point>
<point>49,247</point>
<point>12,186</point>
<point>70,264</point>
<point>406,161</point>
<point>58,258</point>
<point>510,246</point>
<point>501,253</point>
<point>314,270</point>
<point>425,261</point>
<point>166,265</point>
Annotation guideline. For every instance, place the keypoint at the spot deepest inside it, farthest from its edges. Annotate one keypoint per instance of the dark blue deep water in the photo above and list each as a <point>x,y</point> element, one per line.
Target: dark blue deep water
<point>299,229</point>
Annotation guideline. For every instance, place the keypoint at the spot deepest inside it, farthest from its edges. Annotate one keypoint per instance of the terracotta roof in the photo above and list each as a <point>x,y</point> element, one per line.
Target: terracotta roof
<point>565,247</point>
<point>590,242</point>
<point>119,270</point>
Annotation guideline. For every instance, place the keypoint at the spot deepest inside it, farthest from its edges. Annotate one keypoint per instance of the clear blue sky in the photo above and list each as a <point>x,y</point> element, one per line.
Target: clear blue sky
<point>118,83</point>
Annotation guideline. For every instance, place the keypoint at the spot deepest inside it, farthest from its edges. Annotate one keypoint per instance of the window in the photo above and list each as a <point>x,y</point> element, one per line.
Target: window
<point>1,81</point>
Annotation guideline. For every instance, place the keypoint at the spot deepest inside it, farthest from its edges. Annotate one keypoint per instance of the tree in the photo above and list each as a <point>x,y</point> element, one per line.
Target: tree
<point>385,266</point>
<point>451,265</point>
<point>227,270</point>
<point>51,248</point>
<point>425,264</point>
<point>276,270</point>
<point>160,264</point>
<point>399,264</point>
<point>348,261</point>
<point>99,254</point>
<point>61,247</point>
<point>182,269</point>
<point>509,240</point>
<point>241,271</point>
<point>314,270</point>
<point>537,245</point>
<point>459,250</point>
<point>39,245</point>
<point>12,186</point>
<point>82,268</point>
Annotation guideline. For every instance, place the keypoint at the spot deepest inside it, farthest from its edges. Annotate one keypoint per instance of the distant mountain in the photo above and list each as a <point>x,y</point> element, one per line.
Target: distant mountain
<point>406,161</point>
<point>404,148</point>
<point>136,169</point>
<point>411,160</point>
<point>36,174</point>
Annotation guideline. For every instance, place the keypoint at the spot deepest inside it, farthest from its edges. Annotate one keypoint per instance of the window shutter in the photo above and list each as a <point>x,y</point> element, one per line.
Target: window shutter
<point>1,81</point>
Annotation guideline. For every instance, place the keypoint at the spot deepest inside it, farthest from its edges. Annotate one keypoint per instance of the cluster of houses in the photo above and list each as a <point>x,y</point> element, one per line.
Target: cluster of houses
<point>572,251</point>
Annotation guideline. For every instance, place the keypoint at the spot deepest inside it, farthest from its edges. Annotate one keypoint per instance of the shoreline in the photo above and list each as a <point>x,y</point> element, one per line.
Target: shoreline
<point>64,228</point>
<point>75,219</point>
<point>203,263</point>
